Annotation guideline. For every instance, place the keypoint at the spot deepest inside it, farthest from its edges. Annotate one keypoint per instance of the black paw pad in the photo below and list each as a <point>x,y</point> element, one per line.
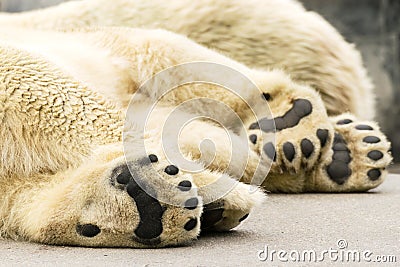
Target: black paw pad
<point>345,121</point>
<point>289,151</point>
<point>375,155</point>
<point>301,108</point>
<point>339,144</point>
<point>185,185</point>
<point>266,96</point>
<point>340,147</point>
<point>244,218</point>
<point>323,135</point>
<point>307,147</point>
<point>374,174</point>
<point>150,210</point>
<point>338,138</point>
<point>171,170</point>
<point>191,203</point>
<point>269,150</point>
<point>191,224</point>
<point>364,127</point>
<point>371,139</point>
<point>253,138</point>
<point>153,158</point>
<point>339,170</point>
<point>210,217</point>
<point>87,230</point>
<point>343,156</point>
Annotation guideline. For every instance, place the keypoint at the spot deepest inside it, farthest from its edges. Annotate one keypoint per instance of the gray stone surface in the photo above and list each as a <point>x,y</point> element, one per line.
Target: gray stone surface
<point>366,221</point>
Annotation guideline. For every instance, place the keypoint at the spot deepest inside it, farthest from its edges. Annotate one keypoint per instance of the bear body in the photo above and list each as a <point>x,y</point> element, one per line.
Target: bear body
<point>261,34</point>
<point>85,163</point>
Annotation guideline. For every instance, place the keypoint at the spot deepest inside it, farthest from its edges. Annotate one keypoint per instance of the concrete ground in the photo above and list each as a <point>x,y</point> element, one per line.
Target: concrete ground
<point>345,225</point>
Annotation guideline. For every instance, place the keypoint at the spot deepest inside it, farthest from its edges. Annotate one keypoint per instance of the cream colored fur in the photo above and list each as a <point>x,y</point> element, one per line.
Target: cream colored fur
<point>64,104</point>
<point>64,97</point>
<point>263,34</point>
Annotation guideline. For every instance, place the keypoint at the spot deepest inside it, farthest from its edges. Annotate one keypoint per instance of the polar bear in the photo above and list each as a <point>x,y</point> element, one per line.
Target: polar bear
<point>278,34</point>
<point>73,170</point>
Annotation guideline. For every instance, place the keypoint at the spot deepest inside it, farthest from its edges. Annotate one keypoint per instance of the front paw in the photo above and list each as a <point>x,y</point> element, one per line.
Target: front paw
<point>119,204</point>
<point>296,139</point>
<point>159,222</point>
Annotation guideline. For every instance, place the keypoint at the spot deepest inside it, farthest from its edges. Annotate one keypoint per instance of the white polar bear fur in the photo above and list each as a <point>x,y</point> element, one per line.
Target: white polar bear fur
<point>46,133</point>
<point>35,77</point>
<point>58,151</point>
<point>262,34</point>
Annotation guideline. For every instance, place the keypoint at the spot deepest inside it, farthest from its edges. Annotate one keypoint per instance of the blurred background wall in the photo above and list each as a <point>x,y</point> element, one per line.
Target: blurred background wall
<point>22,5</point>
<point>373,25</point>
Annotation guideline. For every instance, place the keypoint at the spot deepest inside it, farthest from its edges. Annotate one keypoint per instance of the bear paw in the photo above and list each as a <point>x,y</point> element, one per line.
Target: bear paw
<point>160,222</point>
<point>357,159</point>
<point>117,203</point>
<point>229,210</point>
<point>295,132</point>
<point>302,133</point>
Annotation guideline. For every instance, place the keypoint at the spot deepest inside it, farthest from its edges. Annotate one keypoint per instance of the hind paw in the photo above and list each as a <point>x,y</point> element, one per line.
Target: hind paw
<point>357,160</point>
